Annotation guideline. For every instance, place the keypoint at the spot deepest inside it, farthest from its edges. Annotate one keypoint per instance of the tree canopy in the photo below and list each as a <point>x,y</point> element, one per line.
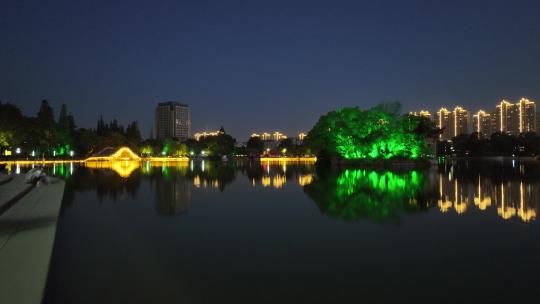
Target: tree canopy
<point>377,133</point>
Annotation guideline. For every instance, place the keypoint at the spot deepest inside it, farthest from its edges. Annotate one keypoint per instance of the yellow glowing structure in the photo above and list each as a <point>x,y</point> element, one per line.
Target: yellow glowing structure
<point>503,107</point>
<point>421,113</point>
<point>255,135</point>
<point>443,121</point>
<point>461,118</point>
<point>309,159</point>
<point>168,159</point>
<point>265,136</point>
<point>527,115</point>
<point>482,122</point>
<point>279,136</point>
<point>124,153</point>
<point>7,153</point>
<point>199,135</point>
<point>301,136</point>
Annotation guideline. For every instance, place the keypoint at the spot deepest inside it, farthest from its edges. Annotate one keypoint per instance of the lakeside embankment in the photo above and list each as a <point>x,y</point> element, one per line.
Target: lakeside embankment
<point>27,233</point>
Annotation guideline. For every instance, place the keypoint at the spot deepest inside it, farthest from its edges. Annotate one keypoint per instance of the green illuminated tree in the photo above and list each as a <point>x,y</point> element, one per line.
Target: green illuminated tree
<point>377,133</point>
<point>377,195</point>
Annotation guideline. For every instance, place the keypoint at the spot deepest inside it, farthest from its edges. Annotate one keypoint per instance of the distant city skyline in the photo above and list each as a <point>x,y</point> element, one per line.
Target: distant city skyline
<point>266,65</point>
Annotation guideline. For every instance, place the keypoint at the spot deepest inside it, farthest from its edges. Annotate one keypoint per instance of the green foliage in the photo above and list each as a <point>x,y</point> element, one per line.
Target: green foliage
<point>378,133</point>
<point>377,195</point>
<point>5,138</point>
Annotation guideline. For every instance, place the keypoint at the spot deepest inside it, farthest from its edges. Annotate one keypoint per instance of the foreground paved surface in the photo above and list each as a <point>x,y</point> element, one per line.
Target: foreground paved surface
<point>10,189</point>
<point>27,232</point>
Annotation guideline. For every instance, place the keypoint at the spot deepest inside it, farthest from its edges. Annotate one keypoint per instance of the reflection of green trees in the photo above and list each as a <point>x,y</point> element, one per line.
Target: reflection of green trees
<point>355,194</point>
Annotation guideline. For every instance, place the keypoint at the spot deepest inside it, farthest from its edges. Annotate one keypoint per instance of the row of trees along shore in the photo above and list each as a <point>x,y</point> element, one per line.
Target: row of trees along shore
<point>45,136</point>
<point>49,137</point>
<point>351,133</point>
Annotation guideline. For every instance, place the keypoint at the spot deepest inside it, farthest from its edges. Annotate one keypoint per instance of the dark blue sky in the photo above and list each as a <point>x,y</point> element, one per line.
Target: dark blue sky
<point>265,65</point>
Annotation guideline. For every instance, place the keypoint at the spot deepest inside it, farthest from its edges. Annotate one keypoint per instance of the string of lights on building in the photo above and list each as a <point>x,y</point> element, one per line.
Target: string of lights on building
<point>507,117</point>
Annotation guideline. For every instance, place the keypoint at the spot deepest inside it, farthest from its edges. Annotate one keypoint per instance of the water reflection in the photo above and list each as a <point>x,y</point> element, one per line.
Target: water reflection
<point>378,195</point>
<point>509,191</point>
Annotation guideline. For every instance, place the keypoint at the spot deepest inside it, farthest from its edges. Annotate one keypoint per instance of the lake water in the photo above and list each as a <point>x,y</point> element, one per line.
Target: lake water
<point>241,232</point>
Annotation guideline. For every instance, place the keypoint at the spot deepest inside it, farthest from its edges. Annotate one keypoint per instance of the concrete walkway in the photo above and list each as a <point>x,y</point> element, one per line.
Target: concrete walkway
<point>11,190</point>
<point>4,178</point>
<point>27,232</point>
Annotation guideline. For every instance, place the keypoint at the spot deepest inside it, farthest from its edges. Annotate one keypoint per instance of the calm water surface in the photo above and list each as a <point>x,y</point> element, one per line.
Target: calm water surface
<point>208,232</point>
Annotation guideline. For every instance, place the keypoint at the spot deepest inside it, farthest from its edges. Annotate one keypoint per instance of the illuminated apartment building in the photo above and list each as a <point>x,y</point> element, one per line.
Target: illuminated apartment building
<point>444,122</point>
<point>279,136</point>
<point>527,115</point>
<point>460,118</point>
<point>516,118</point>
<point>265,136</point>
<point>507,118</point>
<point>482,123</point>
<point>422,113</point>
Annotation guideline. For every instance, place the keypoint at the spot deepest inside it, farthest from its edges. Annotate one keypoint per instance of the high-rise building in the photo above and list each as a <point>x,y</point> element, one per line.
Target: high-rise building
<point>516,118</point>
<point>482,123</point>
<point>461,121</point>
<point>507,118</point>
<point>527,115</point>
<point>172,120</point>
<point>444,122</point>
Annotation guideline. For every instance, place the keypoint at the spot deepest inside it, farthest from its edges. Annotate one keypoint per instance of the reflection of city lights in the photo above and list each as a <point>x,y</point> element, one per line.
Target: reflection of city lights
<point>505,211</point>
<point>122,168</point>
<point>523,213</point>
<point>305,179</point>
<point>266,181</point>
<point>443,202</point>
<point>460,204</point>
<point>482,203</point>
<point>197,181</point>
<point>279,180</point>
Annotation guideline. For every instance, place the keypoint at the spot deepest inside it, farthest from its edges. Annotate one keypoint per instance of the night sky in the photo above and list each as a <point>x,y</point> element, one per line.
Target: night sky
<point>265,65</point>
